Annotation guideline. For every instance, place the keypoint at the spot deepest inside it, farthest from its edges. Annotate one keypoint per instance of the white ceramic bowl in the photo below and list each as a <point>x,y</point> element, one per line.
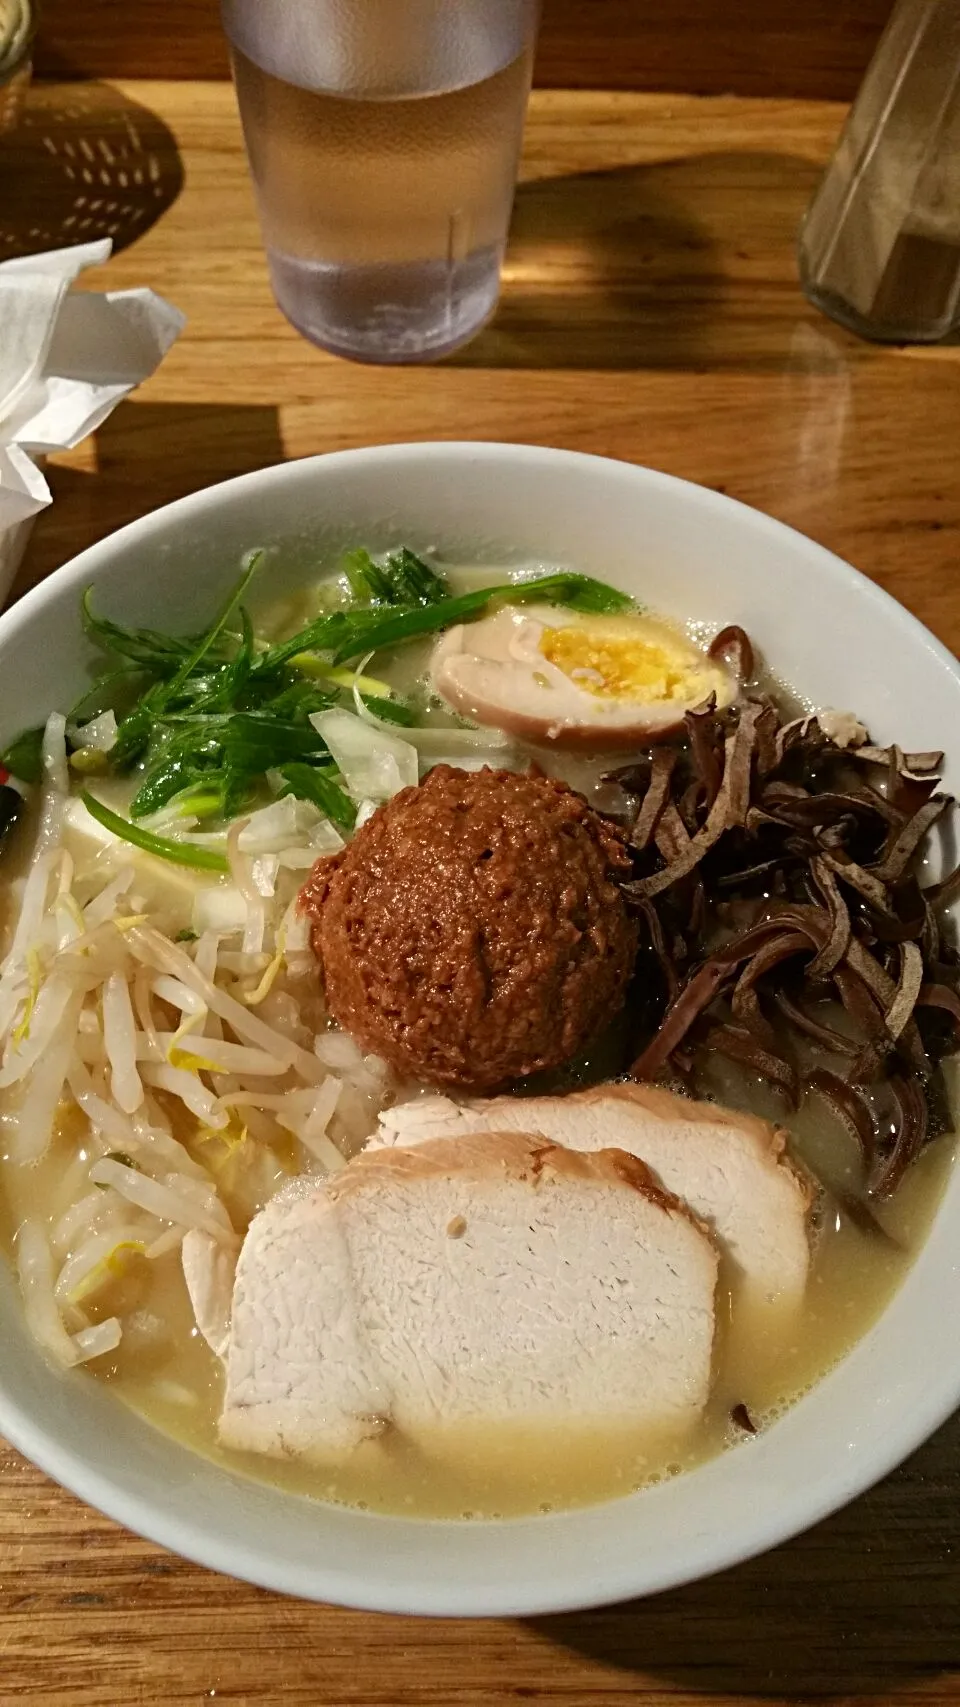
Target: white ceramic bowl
<point>824,628</point>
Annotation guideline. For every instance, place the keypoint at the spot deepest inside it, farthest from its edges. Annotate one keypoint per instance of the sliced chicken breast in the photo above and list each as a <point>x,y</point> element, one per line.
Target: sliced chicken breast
<point>731,1168</point>
<point>209,1268</point>
<point>496,1277</point>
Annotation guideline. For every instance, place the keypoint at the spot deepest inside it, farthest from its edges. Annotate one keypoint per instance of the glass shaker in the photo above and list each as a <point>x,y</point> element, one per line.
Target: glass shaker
<point>880,244</point>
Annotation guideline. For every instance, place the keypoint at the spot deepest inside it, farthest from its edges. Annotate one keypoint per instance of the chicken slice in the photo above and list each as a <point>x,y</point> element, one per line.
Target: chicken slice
<point>209,1268</point>
<point>731,1168</point>
<point>497,1277</point>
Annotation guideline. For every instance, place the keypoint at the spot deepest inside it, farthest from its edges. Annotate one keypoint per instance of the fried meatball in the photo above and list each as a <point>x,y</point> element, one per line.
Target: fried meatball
<point>473,931</point>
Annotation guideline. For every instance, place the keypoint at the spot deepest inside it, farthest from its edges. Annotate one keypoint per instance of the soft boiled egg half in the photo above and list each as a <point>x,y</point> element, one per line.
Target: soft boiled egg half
<point>549,675</point>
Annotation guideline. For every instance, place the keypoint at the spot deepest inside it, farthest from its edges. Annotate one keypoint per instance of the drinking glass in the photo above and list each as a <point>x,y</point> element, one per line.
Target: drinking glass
<point>383,139</point>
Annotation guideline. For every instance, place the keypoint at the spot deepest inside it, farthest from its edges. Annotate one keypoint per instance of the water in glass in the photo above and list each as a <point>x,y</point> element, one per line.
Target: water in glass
<point>385,199</point>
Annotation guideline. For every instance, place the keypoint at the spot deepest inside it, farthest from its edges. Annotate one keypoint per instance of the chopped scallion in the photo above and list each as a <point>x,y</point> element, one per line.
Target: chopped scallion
<point>206,717</point>
<point>389,710</point>
<point>307,783</point>
<point>178,853</point>
<point>389,628</point>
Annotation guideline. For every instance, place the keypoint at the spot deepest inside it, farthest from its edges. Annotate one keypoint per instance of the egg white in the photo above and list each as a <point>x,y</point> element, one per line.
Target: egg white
<point>495,671</point>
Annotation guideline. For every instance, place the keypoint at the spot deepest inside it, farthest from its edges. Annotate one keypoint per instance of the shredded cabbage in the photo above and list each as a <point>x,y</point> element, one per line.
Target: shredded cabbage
<point>374,765</point>
<point>99,735</point>
<point>285,823</point>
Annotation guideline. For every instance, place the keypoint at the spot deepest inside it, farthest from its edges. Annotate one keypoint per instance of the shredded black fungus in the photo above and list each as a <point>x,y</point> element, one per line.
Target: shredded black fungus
<point>784,924</point>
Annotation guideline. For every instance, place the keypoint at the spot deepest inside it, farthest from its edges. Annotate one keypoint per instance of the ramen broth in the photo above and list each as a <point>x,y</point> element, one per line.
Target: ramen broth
<point>765,1358</point>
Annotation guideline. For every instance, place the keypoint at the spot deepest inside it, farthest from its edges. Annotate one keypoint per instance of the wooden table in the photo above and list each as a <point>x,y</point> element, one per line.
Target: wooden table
<point>651,311</point>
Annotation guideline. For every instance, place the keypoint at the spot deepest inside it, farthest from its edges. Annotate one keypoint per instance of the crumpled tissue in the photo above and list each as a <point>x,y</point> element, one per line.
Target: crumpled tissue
<point>66,358</point>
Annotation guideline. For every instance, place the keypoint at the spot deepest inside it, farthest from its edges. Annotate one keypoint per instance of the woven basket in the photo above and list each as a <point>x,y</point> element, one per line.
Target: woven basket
<point>17,24</point>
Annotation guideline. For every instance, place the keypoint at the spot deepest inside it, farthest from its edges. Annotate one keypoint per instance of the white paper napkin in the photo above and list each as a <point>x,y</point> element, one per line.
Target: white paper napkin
<point>65,360</point>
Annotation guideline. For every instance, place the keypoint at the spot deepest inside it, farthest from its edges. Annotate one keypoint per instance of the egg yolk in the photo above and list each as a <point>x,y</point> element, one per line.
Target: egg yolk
<point>611,668</point>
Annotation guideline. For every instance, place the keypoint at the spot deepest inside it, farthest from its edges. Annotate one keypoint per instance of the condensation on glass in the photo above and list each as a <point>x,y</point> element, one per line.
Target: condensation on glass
<point>880,245</point>
<point>383,138</point>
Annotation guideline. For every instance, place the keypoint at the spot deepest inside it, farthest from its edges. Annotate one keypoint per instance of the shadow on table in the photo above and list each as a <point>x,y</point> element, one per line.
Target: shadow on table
<point>681,264</point>
<point>147,454</point>
<point>865,1604</point>
<point>84,162</point>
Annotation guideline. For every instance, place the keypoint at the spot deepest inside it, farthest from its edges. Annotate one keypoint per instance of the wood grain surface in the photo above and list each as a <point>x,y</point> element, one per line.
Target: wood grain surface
<point>748,47</point>
<point>651,311</point>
